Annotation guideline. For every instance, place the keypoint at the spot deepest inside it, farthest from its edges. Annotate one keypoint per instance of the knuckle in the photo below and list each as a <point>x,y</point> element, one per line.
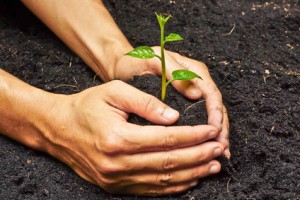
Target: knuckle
<point>226,120</point>
<point>169,162</point>
<point>147,102</point>
<point>169,142</point>
<point>164,179</point>
<point>215,91</point>
<point>219,109</point>
<point>201,156</point>
<point>218,93</point>
<point>109,167</point>
<point>112,143</point>
<point>203,66</point>
<point>112,86</point>
<point>111,147</point>
<point>116,82</point>
<point>195,172</point>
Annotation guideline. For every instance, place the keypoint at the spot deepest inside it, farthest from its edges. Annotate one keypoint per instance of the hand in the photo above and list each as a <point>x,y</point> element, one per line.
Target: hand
<point>91,134</point>
<point>194,89</point>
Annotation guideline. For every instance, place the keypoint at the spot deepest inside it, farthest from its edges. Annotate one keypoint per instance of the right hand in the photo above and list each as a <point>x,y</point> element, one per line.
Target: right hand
<point>193,89</point>
<point>91,134</point>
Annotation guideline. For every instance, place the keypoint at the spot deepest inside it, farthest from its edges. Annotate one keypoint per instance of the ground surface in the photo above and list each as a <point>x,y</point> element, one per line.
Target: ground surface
<point>252,50</point>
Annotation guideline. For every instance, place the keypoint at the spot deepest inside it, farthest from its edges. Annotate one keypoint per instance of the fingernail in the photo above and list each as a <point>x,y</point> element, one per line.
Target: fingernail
<point>169,113</point>
<point>193,90</point>
<point>227,153</point>
<point>217,151</point>
<point>213,134</point>
<point>213,169</point>
<point>194,183</point>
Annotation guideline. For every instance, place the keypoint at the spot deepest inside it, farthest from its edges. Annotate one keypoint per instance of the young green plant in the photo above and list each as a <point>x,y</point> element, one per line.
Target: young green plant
<point>146,52</point>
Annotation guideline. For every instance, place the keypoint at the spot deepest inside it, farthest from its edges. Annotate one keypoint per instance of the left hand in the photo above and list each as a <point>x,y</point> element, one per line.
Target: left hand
<point>194,89</point>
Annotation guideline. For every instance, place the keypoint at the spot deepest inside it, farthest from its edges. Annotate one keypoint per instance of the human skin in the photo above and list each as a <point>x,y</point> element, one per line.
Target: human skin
<point>121,157</point>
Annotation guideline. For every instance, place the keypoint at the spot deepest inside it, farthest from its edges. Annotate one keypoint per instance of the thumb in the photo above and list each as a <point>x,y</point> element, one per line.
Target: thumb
<point>131,100</point>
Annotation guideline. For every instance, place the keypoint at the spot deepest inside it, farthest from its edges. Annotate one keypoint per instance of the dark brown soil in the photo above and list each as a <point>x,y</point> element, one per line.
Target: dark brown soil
<point>252,50</point>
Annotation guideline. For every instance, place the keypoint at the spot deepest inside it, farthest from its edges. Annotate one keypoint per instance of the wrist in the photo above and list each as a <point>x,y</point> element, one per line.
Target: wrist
<point>24,111</point>
<point>94,36</point>
<point>106,56</point>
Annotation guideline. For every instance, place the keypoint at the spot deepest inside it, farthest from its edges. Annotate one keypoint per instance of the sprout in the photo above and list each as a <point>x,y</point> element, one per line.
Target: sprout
<point>146,52</point>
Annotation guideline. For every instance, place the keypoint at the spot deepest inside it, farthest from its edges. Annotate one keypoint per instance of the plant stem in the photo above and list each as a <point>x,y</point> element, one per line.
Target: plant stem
<point>163,64</point>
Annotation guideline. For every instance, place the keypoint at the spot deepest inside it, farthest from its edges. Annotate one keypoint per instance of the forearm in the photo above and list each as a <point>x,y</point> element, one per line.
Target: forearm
<point>23,111</point>
<point>87,28</point>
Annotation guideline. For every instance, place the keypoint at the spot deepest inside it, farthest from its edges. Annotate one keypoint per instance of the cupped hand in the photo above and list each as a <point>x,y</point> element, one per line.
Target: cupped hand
<point>127,67</point>
<point>91,134</point>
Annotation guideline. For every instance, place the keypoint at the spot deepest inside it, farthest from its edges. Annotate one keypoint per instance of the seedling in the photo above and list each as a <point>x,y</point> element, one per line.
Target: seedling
<point>146,52</point>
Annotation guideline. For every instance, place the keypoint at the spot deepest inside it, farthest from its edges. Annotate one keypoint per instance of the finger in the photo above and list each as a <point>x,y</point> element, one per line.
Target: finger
<point>214,105</point>
<point>179,176</point>
<point>130,99</point>
<point>153,190</point>
<point>175,159</point>
<point>223,137</point>
<point>196,88</point>
<point>159,138</point>
<point>209,91</point>
<point>206,88</point>
<point>187,88</point>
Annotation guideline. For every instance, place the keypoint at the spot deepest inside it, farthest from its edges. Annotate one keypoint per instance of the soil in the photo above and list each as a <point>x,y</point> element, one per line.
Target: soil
<point>252,50</point>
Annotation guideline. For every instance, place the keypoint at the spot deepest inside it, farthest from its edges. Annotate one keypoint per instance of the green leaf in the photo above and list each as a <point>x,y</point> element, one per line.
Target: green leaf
<point>143,52</point>
<point>161,19</point>
<point>184,75</point>
<point>173,37</point>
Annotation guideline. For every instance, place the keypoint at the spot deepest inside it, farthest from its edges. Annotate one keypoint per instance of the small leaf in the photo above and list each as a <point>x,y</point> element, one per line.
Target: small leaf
<point>161,19</point>
<point>143,52</point>
<point>184,75</point>
<point>173,37</point>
